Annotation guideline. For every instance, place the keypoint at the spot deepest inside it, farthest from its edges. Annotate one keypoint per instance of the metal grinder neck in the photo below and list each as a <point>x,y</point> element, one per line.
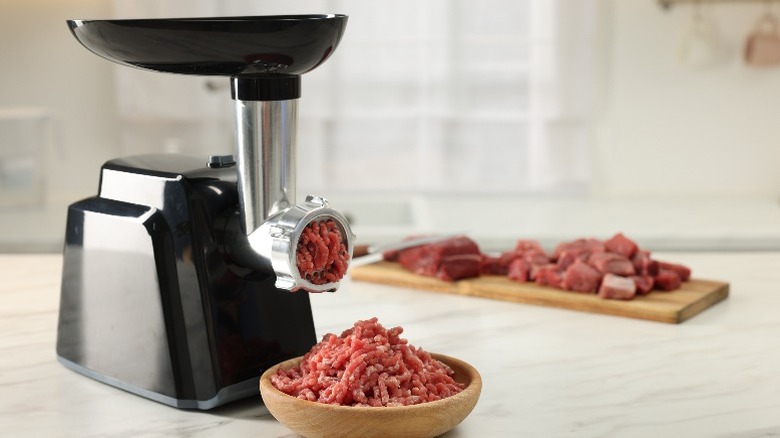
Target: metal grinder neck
<point>266,110</point>
<point>271,221</point>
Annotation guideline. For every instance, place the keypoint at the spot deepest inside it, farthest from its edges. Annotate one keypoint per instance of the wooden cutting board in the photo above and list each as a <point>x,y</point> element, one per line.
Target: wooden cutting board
<point>673,307</point>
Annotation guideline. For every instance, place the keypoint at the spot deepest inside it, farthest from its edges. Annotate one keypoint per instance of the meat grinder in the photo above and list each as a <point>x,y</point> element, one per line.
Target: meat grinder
<point>180,281</point>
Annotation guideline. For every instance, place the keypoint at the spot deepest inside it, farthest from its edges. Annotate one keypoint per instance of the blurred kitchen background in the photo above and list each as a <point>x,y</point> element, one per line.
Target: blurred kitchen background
<point>499,118</point>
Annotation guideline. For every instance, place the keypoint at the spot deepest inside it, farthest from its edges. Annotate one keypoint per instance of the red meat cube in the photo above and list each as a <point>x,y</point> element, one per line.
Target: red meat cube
<point>535,262</point>
<point>667,280</point>
<point>518,270</point>
<point>622,245</point>
<point>644,284</point>
<point>459,266</point>
<point>643,264</point>
<point>491,265</point>
<point>611,263</point>
<point>617,287</point>
<point>497,265</point>
<point>532,270</point>
<point>581,277</point>
<point>449,259</point>
<point>566,259</point>
<point>683,271</point>
<point>549,275</point>
<point>536,258</point>
<point>579,247</point>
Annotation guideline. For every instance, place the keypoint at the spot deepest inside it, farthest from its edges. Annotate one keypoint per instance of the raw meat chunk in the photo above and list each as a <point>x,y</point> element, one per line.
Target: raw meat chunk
<point>683,271</point>
<point>536,258</point>
<point>549,275</point>
<point>497,265</point>
<point>643,264</point>
<point>533,270</point>
<point>581,277</point>
<point>617,287</point>
<point>622,245</point>
<point>518,270</point>
<point>612,263</point>
<point>667,280</point>
<point>644,284</point>
<point>459,266</point>
<point>579,247</point>
<point>492,265</point>
<point>532,252</point>
<point>566,258</point>
<point>449,259</point>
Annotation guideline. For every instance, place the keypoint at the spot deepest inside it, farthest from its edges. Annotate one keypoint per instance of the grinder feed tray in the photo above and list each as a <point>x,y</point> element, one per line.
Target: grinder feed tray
<point>217,46</point>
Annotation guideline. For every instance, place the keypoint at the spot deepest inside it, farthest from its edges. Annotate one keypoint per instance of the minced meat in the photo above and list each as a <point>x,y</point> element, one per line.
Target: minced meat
<point>367,365</point>
<point>322,255</point>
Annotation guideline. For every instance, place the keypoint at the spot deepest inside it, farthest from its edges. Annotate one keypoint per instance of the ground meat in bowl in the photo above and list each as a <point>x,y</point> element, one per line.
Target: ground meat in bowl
<point>368,365</point>
<point>322,255</point>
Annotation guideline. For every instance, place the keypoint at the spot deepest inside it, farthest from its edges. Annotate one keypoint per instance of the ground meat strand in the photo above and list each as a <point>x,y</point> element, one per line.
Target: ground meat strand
<point>367,365</point>
<point>321,255</point>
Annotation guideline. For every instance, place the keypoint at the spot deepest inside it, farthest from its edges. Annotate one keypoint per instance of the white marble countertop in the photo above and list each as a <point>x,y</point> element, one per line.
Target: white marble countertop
<point>547,372</point>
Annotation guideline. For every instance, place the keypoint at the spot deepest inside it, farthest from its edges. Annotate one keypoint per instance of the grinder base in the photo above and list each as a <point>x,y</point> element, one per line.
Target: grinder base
<point>150,304</point>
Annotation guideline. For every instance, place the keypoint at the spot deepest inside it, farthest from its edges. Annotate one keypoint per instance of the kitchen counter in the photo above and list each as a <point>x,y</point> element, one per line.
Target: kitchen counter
<point>547,372</point>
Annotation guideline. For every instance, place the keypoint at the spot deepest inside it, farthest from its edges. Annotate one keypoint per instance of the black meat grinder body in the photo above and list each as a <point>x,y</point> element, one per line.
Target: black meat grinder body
<point>178,281</point>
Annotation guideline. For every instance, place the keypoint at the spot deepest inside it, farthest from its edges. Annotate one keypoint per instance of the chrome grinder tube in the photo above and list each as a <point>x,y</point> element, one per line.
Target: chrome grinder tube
<point>266,158</point>
<point>270,220</point>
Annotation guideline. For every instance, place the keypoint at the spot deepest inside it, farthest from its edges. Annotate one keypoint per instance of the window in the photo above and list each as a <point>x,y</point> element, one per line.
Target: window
<point>426,96</point>
<point>423,96</point>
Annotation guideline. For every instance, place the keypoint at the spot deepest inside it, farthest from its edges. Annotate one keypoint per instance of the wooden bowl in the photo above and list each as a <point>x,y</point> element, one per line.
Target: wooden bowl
<point>313,419</point>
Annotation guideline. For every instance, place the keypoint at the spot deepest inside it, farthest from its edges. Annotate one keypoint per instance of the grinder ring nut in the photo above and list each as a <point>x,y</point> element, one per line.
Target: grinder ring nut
<point>291,232</point>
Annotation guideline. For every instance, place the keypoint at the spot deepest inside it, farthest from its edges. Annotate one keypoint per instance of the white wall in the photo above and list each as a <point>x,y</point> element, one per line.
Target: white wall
<point>43,66</point>
<point>669,130</point>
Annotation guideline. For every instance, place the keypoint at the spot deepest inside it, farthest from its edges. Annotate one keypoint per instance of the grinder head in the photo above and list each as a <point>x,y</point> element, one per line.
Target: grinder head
<point>292,239</point>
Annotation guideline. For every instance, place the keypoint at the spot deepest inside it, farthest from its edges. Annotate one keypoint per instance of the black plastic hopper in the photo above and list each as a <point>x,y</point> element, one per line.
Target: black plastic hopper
<point>276,49</point>
<point>224,46</point>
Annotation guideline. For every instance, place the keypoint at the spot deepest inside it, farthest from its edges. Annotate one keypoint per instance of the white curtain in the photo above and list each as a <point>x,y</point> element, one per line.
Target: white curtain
<point>567,63</point>
<point>439,96</point>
